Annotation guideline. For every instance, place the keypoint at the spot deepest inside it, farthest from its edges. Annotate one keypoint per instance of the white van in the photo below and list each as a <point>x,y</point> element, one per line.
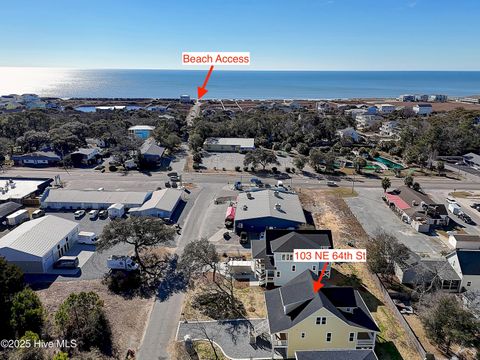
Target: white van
<point>87,237</point>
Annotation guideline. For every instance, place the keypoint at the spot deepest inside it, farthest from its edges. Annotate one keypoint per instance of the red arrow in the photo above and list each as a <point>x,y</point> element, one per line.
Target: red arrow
<point>317,285</point>
<point>201,90</point>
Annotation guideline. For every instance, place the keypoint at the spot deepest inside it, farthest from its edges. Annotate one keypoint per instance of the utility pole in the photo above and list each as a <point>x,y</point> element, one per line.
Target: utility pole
<point>353,183</point>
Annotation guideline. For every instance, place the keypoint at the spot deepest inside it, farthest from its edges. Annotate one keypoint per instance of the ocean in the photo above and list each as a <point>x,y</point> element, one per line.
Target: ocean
<point>113,83</point>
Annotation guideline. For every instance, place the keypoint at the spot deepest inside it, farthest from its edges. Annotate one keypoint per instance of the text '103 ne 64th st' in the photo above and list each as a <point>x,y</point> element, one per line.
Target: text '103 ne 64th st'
<point>330,255</point>
<point>215,58</point>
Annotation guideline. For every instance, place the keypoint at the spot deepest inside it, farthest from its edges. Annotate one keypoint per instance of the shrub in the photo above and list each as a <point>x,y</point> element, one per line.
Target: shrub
<point>121,282</point>
<point>112,168</point>
<point>237,168</point>
<point>196,166</point>
<point>252,168</point>
<point>287,169</point>
<point>245,168</point>
<point>274,169</point>
<point>288,148</point>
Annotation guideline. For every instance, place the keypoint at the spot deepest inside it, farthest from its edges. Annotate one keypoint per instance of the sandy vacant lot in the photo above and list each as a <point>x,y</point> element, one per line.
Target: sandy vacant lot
<point>128,317</point>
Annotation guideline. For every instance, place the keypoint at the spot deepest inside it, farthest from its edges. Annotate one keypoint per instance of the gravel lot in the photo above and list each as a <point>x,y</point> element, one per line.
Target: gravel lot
<point>374,215</point>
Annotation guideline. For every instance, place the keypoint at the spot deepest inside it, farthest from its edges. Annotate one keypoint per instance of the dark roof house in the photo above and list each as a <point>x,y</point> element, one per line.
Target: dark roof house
<point>296,301</point>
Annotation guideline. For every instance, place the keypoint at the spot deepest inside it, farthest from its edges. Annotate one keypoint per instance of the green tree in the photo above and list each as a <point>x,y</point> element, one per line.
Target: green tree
<point>197,158</point>
<point>386,183</point>
<point>360,163</point>
<point>195,141</point>
<point>144,233</point>
<point>60,356</point>
<point>440,167</point>
<point>300,161</point>
<point>31,352</point>
<point>260,156</point>
<point>446,322</point>
<point>198,257</point>
<point>408,181</point>
<point>316,159</point>
<point>11,282</point>
<point>384,251</point>
<point>82,317</point>
<point>416,186</point>
<point>27,312</point>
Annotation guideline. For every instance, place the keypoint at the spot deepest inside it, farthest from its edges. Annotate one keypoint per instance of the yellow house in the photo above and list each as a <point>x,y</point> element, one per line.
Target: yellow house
<point>335,318</point>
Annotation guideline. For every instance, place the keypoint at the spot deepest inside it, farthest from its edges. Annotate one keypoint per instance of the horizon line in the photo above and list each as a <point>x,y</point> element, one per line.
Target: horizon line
<point>202,68</point>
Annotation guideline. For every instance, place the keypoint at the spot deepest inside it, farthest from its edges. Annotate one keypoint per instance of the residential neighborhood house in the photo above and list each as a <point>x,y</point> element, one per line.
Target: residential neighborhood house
<point>273,259</point>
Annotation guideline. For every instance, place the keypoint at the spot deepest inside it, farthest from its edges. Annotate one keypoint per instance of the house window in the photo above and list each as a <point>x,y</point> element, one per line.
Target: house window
<point>294,268</point>
<point>321,320</point>
<point>329,337</point>
<point>278,274</point>
<point>287,257</point>
<point>314,267</point>
<point>302,335</point>
<point>469,283</point>
<point>351,337</point>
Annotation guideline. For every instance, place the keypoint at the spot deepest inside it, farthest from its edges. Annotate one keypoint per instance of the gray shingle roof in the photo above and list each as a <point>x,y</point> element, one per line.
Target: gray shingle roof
<point>296,301</point>
<point>309,239</point>
<point>263,204</point>
<point>37,237</point>
<point>336,355</point>
<point>149,147</point>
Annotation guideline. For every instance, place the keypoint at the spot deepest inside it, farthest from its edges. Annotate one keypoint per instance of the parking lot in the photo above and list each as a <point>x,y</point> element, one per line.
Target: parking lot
<point>92,263</point>
<point>228,160</point>
<point>474,229</point>
<point>374,215</point>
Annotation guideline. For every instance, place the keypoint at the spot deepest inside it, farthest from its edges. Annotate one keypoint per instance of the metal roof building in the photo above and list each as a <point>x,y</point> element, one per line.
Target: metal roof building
<point>162,204</point>
<point>258,210</point>
<point>35,245</point>
<point>229,144</point>
<point>91,199</point>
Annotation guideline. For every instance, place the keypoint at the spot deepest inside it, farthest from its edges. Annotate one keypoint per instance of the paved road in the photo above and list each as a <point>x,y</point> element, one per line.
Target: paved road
<point>196,220</point>
<point>166,314</point>
<point>82,178</point>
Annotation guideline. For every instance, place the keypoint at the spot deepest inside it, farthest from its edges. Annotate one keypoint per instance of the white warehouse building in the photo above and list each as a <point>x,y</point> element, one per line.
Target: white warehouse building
<point>35,245</point>
<point>57,199</point>
<point>162,204</point>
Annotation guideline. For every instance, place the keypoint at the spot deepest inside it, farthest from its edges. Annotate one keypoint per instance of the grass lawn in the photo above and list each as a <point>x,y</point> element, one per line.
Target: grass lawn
<point>343,192</point>
<point>205,352</point>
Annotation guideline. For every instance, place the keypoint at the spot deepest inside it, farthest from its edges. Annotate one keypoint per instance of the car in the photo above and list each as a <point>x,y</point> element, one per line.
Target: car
<point>66,262</point>
<point>451,200</point>
<point>475,206</point>
<point>243,238</point>
<point>459,163</point>
<point>103,214</point>
<point>331,183</point>
<point>79,214</point>
<point>93,214</point>
<point>38,213</point>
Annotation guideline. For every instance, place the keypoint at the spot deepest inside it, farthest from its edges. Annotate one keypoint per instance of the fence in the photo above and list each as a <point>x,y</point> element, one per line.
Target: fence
<point>408,330</point>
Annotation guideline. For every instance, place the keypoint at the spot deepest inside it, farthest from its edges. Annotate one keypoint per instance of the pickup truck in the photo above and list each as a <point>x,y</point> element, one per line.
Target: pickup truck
<point>116,262</point>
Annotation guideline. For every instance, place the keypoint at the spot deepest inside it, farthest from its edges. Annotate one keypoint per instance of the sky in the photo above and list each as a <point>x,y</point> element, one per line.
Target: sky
<point>279,34</point>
